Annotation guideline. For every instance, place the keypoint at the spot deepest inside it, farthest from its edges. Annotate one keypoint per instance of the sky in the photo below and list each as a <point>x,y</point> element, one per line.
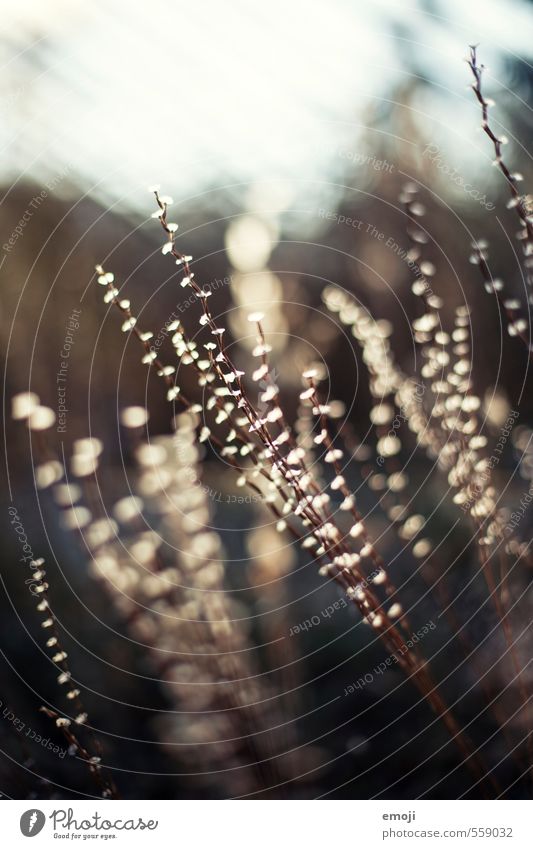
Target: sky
<point>196,94</point>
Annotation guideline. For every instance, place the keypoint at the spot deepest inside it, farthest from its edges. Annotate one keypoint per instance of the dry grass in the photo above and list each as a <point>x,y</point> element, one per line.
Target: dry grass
<point>174,598</point>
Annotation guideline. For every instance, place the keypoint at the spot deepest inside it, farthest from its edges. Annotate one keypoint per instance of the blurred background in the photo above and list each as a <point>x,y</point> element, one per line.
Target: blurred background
<point>284,133</point>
